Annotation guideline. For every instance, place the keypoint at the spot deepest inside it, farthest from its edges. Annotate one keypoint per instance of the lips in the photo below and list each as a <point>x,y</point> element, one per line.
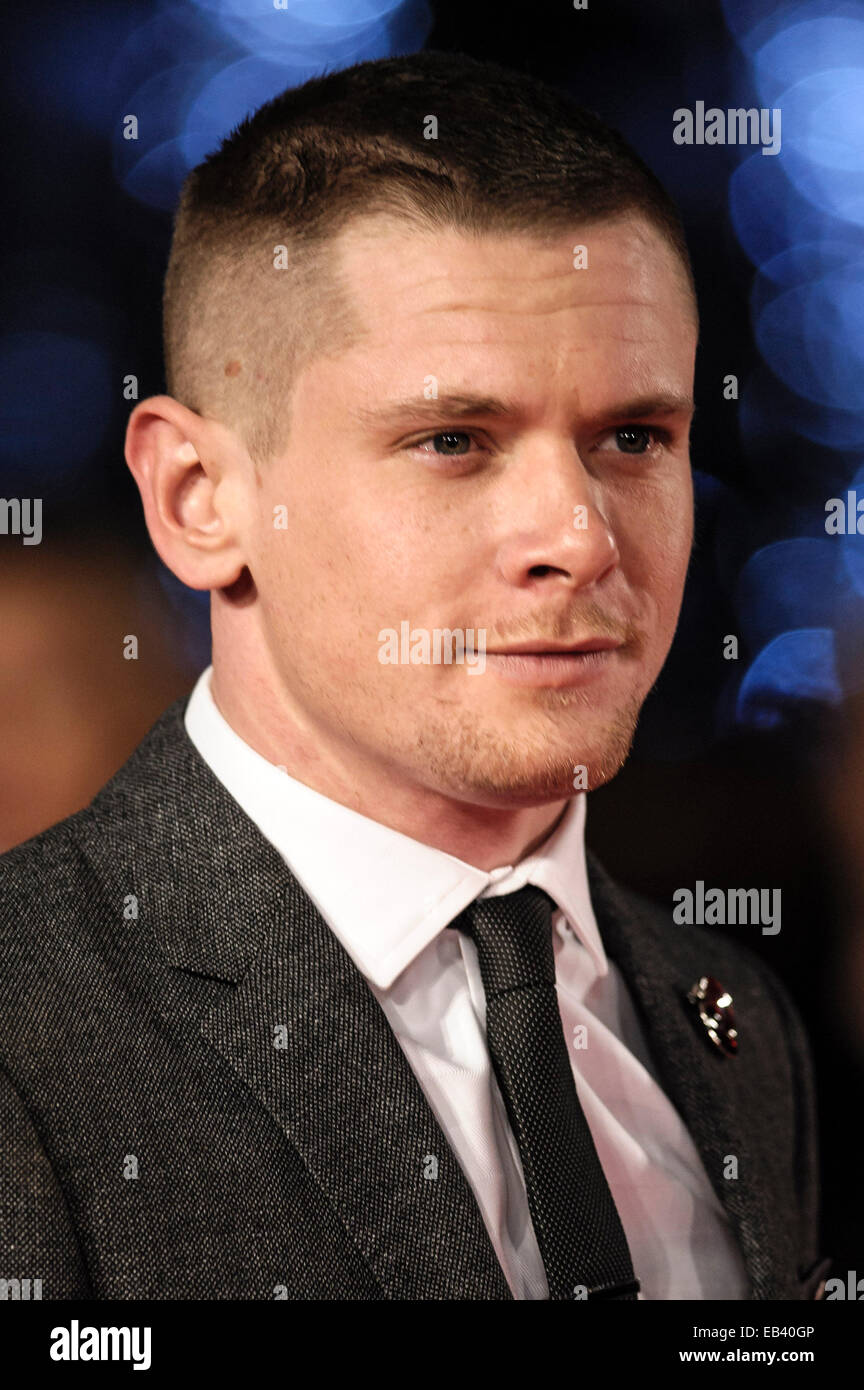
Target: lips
<point>555,665</point>
<point>546,648</point>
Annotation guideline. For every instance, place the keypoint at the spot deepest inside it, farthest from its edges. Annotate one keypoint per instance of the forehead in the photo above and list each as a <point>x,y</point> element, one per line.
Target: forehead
<point>385,262</point>
<point>608,298</point>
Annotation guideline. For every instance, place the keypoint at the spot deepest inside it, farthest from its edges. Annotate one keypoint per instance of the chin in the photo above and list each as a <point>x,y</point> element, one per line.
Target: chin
<point>504,758</point>
<point>529,776</point>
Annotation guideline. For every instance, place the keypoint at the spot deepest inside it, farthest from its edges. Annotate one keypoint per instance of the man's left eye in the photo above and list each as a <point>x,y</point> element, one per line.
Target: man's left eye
<point>448,442</point>
<point>634,439</point>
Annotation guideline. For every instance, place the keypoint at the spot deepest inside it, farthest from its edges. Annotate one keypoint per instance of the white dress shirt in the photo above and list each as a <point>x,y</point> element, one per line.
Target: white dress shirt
<point>388,899</point>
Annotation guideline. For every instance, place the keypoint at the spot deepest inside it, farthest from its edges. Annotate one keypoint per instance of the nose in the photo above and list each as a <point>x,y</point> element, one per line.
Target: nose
<point>554,530</point>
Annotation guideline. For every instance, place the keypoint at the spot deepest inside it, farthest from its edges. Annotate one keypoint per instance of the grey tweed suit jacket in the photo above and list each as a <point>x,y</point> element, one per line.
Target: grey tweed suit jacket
<point>200,1097</point>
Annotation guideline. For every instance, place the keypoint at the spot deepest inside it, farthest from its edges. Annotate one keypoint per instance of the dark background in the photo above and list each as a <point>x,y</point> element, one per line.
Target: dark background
<point>745,773</point>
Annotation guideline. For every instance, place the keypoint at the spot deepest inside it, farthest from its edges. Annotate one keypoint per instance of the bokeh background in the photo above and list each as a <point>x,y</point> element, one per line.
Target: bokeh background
<point>747,772</point>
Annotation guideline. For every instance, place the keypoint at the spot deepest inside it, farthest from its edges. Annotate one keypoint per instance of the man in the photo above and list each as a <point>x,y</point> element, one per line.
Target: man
<point>322,996</point>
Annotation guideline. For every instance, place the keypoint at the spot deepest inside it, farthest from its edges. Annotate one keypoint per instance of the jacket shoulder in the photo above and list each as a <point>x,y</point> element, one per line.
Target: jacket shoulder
<point>48,883</point>
<point>42,881</point>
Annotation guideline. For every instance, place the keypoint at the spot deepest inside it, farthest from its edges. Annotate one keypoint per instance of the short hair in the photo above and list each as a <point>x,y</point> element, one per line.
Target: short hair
<point>512,155</point>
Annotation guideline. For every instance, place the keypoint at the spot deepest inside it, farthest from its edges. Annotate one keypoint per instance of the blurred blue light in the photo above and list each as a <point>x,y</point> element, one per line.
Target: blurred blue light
<point>324,35</point>
<point>157,177</point>
<point>813,337</point>
<point>152,167</point>
<point>767,212</point>
<point>770,411</point>
<point>823,140</point>
<point>787,584</point>
<point>797,666</point>
<point>801,50</point>
<point>230,96</point>
<point>799,222</point>
<point>806,261</point>
<point>324,14</point>
<point>753,23</point>
<point>185,110</point>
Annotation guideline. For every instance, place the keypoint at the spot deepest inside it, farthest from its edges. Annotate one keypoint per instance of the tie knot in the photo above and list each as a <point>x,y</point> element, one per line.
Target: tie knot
<point>513,936</point>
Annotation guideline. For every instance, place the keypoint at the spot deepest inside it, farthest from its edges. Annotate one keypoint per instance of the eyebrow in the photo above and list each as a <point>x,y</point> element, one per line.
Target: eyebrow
<point>446,409</point>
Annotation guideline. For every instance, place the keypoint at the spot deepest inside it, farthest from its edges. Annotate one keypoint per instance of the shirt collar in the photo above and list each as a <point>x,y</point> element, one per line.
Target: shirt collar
<point>384,895</point>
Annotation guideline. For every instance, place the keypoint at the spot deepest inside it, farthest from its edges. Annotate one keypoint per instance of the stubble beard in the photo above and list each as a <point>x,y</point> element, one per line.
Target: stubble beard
<point>534,763</point>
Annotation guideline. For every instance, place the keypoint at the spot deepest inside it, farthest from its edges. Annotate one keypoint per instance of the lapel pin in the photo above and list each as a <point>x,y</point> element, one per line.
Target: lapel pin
<point>713,1004</point>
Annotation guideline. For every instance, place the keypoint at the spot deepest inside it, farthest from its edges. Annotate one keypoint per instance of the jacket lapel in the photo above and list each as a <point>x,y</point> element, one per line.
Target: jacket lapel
<point>713,1094</point>
<point>301,1028</point>
<point>345,1095</point>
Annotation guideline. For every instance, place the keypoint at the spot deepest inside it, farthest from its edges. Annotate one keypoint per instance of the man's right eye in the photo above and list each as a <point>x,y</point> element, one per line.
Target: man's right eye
<point>447,443</point>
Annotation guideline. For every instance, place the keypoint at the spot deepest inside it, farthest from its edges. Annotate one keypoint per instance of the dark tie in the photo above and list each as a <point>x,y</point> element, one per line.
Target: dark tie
<point>575,1219</point>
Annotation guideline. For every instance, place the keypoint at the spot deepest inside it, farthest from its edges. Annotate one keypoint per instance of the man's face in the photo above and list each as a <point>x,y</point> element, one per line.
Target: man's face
<point>503,446</point>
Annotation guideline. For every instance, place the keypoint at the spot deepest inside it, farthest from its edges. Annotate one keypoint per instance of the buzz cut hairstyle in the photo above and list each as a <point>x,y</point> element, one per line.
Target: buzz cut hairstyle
<point>252,290</point>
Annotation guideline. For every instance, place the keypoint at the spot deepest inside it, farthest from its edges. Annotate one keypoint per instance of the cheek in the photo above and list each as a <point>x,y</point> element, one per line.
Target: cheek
<point>330,577</point>
<point>680,538</point>
<point>655,535</point>
<point>667,570</point>
<point>661,512</point>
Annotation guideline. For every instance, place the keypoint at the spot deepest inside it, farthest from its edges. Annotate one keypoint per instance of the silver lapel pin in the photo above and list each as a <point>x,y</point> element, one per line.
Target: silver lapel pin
<point>713,1003</point>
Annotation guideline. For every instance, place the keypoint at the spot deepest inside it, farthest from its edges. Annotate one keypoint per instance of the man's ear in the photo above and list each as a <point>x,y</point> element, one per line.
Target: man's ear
<point>187,471</point>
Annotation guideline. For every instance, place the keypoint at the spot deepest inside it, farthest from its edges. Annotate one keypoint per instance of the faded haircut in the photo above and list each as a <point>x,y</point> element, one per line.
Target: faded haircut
<point>512,155</point>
